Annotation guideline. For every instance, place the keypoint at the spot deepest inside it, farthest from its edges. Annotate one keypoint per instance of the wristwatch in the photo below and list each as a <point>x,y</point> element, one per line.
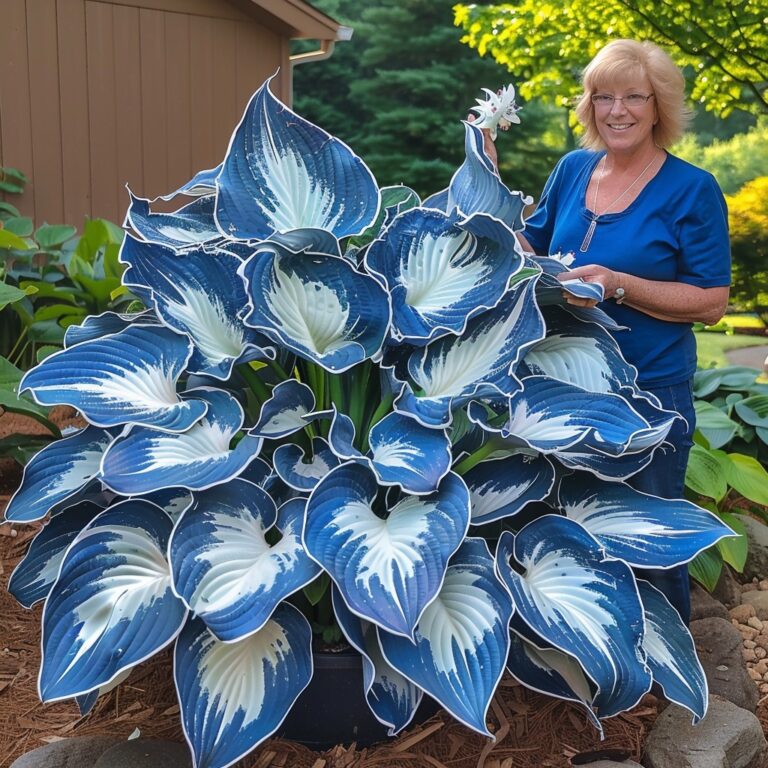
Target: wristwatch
<point>619,295</point>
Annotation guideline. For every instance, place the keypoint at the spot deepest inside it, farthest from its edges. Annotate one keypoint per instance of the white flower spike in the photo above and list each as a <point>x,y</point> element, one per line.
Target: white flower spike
<point>497,111</point>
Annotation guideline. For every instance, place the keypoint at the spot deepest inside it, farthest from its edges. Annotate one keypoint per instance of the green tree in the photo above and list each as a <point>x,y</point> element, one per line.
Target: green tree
<point>722,44</point>
<point>748,220</point>
<point>398,90</point>
<point>733,162</point>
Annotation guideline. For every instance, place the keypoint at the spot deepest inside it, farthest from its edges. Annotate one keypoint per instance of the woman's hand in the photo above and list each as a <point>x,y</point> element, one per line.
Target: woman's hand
<point>592,273</point>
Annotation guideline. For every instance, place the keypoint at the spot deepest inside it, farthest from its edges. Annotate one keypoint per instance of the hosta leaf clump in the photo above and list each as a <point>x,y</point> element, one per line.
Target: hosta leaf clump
<point>330,390</point>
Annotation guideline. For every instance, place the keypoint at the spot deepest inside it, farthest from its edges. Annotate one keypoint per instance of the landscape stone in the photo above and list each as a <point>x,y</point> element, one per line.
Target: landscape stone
<point>613,764</point>
<point>757,553</point>
<point>743,613</point>
<point>719,645</point>
<point>758,601</point>
<point>728,737</point>
<point>80,752</point>
<point>146,753</point>
<point>704,606</point>
<point>727,590</point>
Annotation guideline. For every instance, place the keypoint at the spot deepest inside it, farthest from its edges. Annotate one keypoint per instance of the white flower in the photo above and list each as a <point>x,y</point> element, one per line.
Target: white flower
<point>497,111</point>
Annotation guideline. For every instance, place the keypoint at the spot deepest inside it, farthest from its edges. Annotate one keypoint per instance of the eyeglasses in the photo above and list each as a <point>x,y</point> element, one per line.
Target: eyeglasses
<point>631,100</point>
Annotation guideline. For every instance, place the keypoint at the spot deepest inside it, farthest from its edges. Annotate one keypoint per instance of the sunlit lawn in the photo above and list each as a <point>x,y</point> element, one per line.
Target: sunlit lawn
<point>711,347</point>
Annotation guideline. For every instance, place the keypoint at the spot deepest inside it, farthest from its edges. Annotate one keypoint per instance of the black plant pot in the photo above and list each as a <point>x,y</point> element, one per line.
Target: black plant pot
<point>332,709</point>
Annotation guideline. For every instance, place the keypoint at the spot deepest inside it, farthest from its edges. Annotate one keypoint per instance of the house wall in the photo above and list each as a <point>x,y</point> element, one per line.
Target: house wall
<point>95,94</point>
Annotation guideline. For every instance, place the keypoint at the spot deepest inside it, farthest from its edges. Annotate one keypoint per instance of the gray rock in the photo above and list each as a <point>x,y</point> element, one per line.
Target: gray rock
<point>80,752</point>
<point>613,764</point>
<point>727,590</point>
<point>759,600</point>
<point>728,737</point>
<point>146,753</point>
<point>757,554</point>
<point>704,606</point>
<point>719,646</point>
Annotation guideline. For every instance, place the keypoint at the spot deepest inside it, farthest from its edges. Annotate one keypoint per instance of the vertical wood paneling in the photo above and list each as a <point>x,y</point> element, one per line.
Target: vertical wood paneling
<point>101,99</point>
<point>258,57</point>
<point>14,98</point>
<point>44,108</point>
<point>204,152</point>
<point>75,138</point>
<point>154,125</point>
<point>178,94</point>
<point>127,103</point>
<point>224,104</point>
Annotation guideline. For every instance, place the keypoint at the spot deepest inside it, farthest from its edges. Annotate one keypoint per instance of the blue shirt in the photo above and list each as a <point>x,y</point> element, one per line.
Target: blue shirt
<point>676,230</point>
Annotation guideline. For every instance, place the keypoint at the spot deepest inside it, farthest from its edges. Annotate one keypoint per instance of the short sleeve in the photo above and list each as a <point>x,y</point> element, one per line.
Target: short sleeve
<point>541,223</point>
<point>705,252</point>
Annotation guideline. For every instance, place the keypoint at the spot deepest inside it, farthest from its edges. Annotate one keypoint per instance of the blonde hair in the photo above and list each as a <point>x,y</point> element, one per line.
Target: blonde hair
<point>622,59</point>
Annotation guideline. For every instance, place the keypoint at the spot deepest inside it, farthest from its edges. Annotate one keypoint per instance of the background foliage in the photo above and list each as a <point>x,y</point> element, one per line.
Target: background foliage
<point>721,44</point>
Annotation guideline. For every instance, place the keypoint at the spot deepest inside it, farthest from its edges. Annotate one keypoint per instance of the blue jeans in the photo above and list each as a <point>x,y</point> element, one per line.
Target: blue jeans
<point>665,477</point>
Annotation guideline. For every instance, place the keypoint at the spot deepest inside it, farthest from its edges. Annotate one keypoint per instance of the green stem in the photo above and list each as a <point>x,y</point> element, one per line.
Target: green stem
<point>337,392</point>
<point>258,387</point>
<point>475,458</point>
<point>378,415</point>
<point>278,369</point>
<point>23,333</point>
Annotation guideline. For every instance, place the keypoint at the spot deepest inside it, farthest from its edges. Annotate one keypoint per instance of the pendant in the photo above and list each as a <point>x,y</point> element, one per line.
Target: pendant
<point>588,237</point>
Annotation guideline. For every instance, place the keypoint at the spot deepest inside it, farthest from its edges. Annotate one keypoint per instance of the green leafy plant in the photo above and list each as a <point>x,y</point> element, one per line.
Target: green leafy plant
<point>727,465</point>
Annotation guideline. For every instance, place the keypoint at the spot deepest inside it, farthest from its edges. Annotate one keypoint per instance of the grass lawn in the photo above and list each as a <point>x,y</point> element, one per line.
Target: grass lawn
<point>711,347</point>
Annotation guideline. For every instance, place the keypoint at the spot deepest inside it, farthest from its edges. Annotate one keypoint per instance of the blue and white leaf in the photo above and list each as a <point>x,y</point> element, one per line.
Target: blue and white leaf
<point>224,569</point>
<point>284,412</point>
<point>388,569</point>
<point>201,184</point>
<point>452,370</point>
<point>112,605</point>
<point>201,295</point>
<point>500,488</point>
<point>477,188</point>
<point>441,271</point>
<point>33,577</point>
<point>461,643</point>
<point>96,326</point>
<point>56,473</point>
<point>643,530</point>
<point>189,226</point>
<point>234,695</point>
<point>574,597</point>
<point>129,377</point>
<point>671,653</point>
<point>553,673</point>
<point>298,471</point>
<point>146,460</point>
<point>281,172</point>
<point>391,697</point>
<point>318,306</point>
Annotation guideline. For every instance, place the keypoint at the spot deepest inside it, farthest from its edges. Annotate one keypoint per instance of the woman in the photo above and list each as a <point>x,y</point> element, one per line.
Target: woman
<point>652,230</point>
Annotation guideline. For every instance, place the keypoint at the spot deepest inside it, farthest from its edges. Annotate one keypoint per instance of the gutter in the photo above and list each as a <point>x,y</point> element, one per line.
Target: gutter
<point>343,34</point>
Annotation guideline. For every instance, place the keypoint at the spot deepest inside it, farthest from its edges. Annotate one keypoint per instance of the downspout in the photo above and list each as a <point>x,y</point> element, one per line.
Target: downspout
<point>323,52</point>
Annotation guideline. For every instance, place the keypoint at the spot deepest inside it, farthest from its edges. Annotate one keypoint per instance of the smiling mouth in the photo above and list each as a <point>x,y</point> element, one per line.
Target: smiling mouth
<point>620,126</point>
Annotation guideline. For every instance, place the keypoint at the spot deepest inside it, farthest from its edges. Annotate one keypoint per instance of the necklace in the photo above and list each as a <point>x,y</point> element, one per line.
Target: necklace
<point>595,216</point>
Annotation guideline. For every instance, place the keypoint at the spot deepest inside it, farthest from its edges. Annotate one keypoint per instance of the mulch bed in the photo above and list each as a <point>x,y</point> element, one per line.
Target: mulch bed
<point>532,731</point>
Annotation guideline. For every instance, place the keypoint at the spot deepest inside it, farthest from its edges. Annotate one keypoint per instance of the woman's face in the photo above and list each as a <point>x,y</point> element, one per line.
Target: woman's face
<point>626,129</point>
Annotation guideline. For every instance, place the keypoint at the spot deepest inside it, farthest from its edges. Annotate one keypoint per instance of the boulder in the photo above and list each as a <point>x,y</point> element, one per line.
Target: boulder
<point>704,606</point>
<point>719,645</point>
<point>146,753</point>
<point>728,737</point>
<point>759,601</point>
<point>80,752</point>
<point>727,590</point>
<point>757,554</point>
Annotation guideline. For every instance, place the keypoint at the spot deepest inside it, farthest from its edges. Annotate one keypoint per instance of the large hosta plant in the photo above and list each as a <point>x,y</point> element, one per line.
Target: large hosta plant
<point>331,412</point>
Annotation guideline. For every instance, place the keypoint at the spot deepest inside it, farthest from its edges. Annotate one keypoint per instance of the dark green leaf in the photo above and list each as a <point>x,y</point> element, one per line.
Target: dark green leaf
<point>706,568</point>
<point>706,472</point>
<point>315,590</point>
<point>49,236</point>
<point>9,294</point>
<point>734,550</point>
<point>19,225</point>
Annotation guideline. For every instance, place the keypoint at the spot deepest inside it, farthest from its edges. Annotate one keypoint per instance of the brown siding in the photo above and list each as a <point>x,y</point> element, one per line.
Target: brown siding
<point>95,94</point>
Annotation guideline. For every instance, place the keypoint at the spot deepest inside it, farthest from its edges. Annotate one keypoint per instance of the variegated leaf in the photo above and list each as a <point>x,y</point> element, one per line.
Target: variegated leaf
<point>300,473</point>
<point>57,473</point>
<point>223,567</point>
<point>112,605</point>
<point>387,569</point>
<point>235,695</point>
<point>462,640</point>
<point>283,414</point>
<point>189,226</point>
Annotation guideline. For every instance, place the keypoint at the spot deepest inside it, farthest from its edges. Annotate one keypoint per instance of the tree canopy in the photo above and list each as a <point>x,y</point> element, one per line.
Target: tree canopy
<point>398,90</point>
<point>721,44</point>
